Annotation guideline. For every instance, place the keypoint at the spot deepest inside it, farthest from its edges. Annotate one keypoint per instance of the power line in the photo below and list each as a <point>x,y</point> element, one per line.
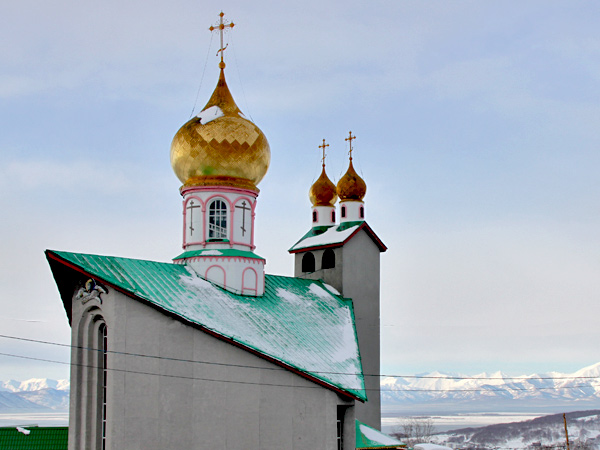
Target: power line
<point>434,377</point>
<point>279,385</point>
<point>315,372</point>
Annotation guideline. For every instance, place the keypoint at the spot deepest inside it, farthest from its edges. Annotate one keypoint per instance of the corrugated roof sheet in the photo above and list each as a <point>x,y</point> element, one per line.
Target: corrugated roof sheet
<point>39,438</point>
<point>369,438</point>
<point>297,322</point>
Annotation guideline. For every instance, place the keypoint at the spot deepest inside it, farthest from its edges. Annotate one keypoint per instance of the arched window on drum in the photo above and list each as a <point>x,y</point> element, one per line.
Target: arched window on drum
<point>217,220</point>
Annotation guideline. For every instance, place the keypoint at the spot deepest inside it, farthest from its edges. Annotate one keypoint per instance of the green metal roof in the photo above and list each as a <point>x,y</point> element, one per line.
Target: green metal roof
<point>220,252</point>
<point>321,237</point>
<point>39,438</point>
<point>299,323</point>
<point>369,437</point>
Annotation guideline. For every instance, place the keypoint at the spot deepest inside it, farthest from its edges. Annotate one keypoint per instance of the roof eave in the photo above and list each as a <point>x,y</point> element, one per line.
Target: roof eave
<point>378,242</point>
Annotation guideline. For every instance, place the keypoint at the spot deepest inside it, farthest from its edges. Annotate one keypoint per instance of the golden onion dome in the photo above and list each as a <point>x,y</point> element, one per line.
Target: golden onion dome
<point>351,186</point>
<point>220,147</point>
<point>322,192</point>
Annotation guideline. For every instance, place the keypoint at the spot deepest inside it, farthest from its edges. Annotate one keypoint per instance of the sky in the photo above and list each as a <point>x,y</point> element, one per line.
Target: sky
<point>477,126</point>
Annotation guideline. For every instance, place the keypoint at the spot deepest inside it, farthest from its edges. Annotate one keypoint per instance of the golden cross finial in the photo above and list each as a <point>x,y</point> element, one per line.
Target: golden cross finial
<point>350,138</point>
<point>323,147</point>
<point>221,27</point>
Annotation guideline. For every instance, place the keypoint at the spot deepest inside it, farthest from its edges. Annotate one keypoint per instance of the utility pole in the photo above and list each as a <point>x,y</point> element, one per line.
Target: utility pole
<point>566,431</point>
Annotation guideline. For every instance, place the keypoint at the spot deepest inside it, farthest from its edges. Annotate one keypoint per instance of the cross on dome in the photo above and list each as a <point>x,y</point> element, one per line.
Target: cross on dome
<point>323,147</point>
<point>221,27</point>
<point>350,138</point>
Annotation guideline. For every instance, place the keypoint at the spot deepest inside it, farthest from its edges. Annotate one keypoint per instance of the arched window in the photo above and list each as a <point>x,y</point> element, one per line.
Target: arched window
<point>92,382</point>
<point>333,216</point>
<point>308,262</point>
<point>343,211</point>
<point>361,212</point>
<point>315,217</point>
<point>217,220</point>
<point>103,338</point>
<point>328,260</point>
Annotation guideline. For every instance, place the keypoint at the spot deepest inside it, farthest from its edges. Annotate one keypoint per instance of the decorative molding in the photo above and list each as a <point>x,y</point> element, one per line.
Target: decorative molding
<point>91,290</point>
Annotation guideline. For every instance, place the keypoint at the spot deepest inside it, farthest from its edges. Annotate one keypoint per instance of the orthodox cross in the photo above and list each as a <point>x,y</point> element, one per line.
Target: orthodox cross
<point>323,147</point>
<point>191,208</point>
<point>244,208</point>
<point>221,27</point>
<point>350,138</point>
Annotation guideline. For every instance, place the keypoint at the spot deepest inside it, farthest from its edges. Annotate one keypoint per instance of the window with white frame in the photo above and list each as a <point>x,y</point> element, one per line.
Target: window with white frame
<point>217,220</point>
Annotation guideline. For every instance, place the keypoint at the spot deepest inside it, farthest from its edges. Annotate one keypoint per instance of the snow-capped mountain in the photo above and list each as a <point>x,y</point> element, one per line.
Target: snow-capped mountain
<point>34,384</point>
<point>35,394</point>
<point>494,392</point>
<point>433,392</point>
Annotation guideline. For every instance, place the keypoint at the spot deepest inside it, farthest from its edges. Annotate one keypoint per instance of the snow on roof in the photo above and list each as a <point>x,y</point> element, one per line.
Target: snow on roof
<point>334,236</point>
<point>297,322</point>
<point>329,237</point>
<point>369,437</point>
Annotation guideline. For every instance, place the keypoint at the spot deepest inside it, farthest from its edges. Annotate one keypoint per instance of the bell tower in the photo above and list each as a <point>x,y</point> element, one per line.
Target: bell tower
<point>346,255</point>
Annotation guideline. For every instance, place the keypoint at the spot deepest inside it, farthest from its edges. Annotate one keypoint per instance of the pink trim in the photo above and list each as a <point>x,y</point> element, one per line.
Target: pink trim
<point>244,288</point>
<point>218,267</point>
<point>185,202</point>
<point>245,244</point>
<point>252,206</point>
<point>222,258</point>
<point>183,212</point>
<point>252,246</point>
<point>230,216</point>
<point>315,215</point>
<point>227,189</point>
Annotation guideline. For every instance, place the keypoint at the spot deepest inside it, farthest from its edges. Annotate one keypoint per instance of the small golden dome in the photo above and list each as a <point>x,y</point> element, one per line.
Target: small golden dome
<point>220,146</point>
<point>351,186</point>
<point>322,192</point>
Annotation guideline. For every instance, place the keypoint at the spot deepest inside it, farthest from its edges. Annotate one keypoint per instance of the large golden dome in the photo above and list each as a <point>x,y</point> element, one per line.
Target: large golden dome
<point>322,192</point>
<point>351,186</point>
<point>220,146</point>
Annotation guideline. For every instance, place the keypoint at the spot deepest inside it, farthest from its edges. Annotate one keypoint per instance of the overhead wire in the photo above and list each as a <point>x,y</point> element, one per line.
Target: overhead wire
<point>212,363</point>
<point>202,78</point>
<point>138,372</point>
<point>237,65</point>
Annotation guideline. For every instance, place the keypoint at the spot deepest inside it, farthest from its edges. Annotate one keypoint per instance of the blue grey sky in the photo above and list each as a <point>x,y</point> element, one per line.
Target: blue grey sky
<point>478,135</point>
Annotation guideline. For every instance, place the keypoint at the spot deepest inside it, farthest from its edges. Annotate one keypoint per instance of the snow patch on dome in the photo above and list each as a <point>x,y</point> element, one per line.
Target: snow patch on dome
<point>210,114</point>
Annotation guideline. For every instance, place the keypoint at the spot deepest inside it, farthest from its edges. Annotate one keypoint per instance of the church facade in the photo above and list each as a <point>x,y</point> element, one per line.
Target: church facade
<point>208,351</point>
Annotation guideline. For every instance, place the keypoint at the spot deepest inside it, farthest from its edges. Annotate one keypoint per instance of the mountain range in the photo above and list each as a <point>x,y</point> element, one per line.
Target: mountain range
<point>441,392</point>
<point>34,395</point>
<point>434,392</point>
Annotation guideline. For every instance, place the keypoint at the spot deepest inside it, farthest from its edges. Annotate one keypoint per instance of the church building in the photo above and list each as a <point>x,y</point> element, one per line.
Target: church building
<point>208,351</point>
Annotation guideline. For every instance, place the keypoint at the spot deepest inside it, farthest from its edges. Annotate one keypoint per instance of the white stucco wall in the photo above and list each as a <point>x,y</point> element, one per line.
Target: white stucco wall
<point>192,405</point>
